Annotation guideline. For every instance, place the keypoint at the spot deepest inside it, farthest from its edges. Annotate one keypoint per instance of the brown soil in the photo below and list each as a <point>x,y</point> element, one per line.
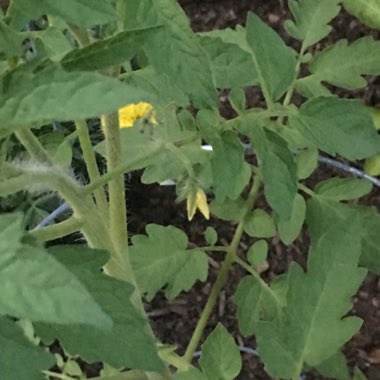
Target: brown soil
<point>174,321</point>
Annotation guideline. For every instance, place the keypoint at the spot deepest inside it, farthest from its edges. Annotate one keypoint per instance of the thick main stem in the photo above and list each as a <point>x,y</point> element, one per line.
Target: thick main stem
<point>223,273</point>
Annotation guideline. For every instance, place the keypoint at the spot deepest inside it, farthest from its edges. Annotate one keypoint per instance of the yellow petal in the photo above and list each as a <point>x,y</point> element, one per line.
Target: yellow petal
<point>190,207</point>
<point>132,112</point>
<point>201,203</point>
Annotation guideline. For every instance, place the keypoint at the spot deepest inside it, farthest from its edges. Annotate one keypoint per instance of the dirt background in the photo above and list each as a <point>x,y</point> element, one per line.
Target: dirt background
<point>174,321</point>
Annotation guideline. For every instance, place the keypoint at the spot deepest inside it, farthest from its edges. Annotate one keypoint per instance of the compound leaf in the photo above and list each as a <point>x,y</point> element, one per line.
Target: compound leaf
<point>220,358</point>
<point>255,301</point>
<point>231,66</point>
<point>341,189</point>
<point>314,328</point>
<point>274,61</point>
<point>109,52</point>
<point>338,126</point>
<point>342,65</point>
<point>278,170</point>
<point>188,65</point>
<point>20,359</point>
<point>59,95</point>
<point>82,13</point>
<point>311,18</point>
<point>230,171</point>
<point>128,343</point>
<point>367,11</point>
<point>37,287</point>
<point>321,213</point>
<point>290,229</point>
<point>160,258</point>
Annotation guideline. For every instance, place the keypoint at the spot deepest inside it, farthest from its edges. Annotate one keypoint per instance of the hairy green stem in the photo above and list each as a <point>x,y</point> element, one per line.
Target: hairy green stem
<point>91,165</point>
<point>117,208</point>
<point>223,273</point>
<point>58,230</point>
<point>33,145</point>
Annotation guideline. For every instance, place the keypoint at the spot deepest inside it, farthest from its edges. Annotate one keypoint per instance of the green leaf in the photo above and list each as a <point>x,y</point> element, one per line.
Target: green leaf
<point>127,344</point>
<point>58,95</point>
<point>311,19</point>
<point>338,126</point>
<point>20,359</point>
<point>342,189</point>
<point>211,235</point>
<point>290,229</point>
<point>307,162</point>
<point>254,301</point>
<point>230,210</point>
<point>55,42</point>
<point>343,65</point>
<point>359,375</point>
<point>275,62</point>
<point>82,13</point>
<point>109,52</point>
<point>161,86</point>
<point>220,358</point>
<point>37,287</point>
<point>58,147</point>
<point>314,328</point>
<point>188,64</point>
<point>323,213</point>
<point>169,166</point>
<point>191,374</point>
<point>258,252</point>
<point>367,11</point>
<point>231,66</point>
<point>278,170</point>
<point>372,165</point>
<point>259,224</point>
<point>161,259</point>
<point>10,42</point>
<point>230,171</point>
<point>237,99</point>
<point>335,367</point>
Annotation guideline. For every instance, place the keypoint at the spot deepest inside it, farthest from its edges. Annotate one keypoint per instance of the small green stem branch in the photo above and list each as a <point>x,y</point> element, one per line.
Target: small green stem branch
<point>289,93</point>
<point>120,263</point>
<point>120,169</point>
<point>182,157</point>
<point>32,145</point>
<point>91,165</point>
<point>223,273</point>
<point>58,230</point>
<point>306,190</point>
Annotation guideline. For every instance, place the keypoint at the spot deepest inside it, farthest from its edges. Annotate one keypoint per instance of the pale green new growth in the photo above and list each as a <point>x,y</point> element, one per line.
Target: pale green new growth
<point>313,329</point>
<point>311,19</point>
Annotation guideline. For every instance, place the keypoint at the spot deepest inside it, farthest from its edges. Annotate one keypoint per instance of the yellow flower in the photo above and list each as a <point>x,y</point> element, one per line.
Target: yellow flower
<point>199,201</point>
<point>132,112</point>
